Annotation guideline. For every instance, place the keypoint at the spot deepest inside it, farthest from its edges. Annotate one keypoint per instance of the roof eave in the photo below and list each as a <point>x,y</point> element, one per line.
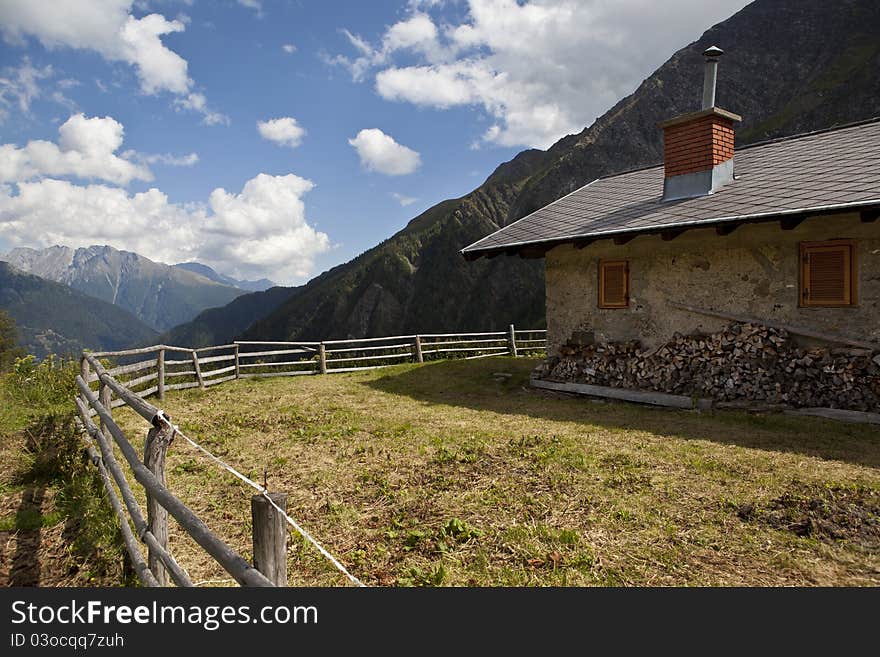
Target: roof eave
<point>530,248</point>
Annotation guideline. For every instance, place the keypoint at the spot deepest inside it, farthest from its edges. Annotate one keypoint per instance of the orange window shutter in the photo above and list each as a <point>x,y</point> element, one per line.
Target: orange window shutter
<point>827,274</point>
<point>614,284</point>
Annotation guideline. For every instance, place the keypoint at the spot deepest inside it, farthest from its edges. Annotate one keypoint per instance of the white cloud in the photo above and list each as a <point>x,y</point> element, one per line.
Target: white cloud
<point>284,131</point>
<point>417,34</point>
<point>260,231</point>
<point>191,159</point>
<point>109,28</point>
<point>289,48</point>
<point>256,5</point>
<point>538,69</point>
<point>379,152</point>
<point>403,200</point>
<point>86,149</point>
<point>20,86</point>
<point>197,102</point>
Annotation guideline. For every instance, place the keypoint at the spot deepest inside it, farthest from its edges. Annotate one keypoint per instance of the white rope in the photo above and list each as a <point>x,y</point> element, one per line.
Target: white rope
<point>265,493</point>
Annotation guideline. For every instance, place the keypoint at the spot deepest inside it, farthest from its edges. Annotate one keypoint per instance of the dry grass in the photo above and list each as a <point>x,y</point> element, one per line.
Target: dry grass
<point>442,475</point>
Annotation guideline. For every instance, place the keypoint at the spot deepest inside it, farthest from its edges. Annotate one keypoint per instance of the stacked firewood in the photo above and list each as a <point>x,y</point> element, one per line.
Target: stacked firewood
<point>744,362</point>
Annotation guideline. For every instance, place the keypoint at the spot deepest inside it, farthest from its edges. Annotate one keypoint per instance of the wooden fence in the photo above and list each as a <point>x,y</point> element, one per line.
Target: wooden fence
<point>129,377</point>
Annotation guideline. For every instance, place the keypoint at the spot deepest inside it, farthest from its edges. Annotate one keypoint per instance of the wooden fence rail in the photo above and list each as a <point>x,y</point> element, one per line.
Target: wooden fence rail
<point>187,368</point>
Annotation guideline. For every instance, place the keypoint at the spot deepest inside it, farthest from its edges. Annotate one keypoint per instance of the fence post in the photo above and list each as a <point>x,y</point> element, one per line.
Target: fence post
<point>155,447</point>
<point>160,367</point>
<point>237,366</point>
<point>85,371</point>
<point>417,348</point>
<point>270,537</point>
<point>106,396</point>
<point>322,358</point>
<point>198,370</point>
<point>511,340</point>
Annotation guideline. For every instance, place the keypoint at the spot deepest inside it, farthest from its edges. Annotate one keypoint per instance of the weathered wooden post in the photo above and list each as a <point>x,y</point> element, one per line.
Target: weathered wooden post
<point>417,349</point>
<point>106,397</point>
<point>160,369</point>
<point>322,359</point>
<point>511,340</point>
<point>237,365</point>
<point>198,370</point>
<point>270,537</point>
<point>85,370</point>
<point>155,447</point>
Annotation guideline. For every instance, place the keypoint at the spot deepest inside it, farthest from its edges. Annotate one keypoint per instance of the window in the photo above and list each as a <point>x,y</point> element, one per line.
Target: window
<point>828,274</point>
<point>613,284</point>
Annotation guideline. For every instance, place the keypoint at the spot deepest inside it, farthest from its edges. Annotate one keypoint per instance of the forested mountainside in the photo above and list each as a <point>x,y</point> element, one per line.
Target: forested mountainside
<point>53,318</point>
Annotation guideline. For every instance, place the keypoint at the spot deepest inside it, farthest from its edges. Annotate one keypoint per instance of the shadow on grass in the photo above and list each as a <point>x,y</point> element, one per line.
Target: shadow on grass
<point>25,569</point>
<point>473,384</point>
<point>90,528</point>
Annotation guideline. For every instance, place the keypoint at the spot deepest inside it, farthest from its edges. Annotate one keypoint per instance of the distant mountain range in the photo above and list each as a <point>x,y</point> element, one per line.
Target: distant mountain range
<point>54,318</point>
<point>204,270</point>
<point>162,296</point>
<point>790,66</point>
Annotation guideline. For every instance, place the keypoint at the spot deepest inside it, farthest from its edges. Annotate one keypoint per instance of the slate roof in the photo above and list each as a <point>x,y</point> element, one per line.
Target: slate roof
<point>827,170</point>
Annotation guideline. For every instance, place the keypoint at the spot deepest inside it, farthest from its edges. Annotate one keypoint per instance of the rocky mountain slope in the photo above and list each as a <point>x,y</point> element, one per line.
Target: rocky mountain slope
<point>55,318</point>
<point>204,270</point>
<point>160,295</point>
<point>790,66</point>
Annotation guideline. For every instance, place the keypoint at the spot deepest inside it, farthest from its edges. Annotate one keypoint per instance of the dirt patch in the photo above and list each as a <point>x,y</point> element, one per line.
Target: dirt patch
<point>829,513</point>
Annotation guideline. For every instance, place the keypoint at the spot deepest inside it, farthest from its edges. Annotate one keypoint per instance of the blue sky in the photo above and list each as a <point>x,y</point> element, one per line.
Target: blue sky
<point>136,123</point>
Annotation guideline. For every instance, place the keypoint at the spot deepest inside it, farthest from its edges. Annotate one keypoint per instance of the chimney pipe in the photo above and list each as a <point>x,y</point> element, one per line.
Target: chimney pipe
<point>698,147</point>
<point>711,54</point>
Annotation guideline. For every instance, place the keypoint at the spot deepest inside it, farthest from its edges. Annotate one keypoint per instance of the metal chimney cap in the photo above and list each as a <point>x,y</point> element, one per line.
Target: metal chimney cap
<point>712,52</point>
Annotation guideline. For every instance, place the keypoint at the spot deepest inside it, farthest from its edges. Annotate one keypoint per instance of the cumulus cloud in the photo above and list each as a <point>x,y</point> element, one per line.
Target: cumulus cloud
<point>289,48</point>
<point>284,131</point>
<point>109,28</point>
<point>539,69</point>
<point>403,200</point>
<point>417,33</point>
<point>259,231</point>
<point>86,149</point>
<point>379,152</point>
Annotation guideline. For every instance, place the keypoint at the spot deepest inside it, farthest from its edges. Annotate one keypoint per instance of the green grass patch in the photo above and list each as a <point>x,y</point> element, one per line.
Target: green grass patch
<point>439,475</point>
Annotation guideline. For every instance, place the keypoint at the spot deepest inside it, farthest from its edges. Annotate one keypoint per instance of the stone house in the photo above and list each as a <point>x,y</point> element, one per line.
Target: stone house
<point>784,232</point>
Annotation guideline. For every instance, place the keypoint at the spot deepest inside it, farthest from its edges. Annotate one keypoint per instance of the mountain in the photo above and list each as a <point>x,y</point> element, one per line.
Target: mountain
<point>789,66</point>
<point>160,295</point>
<point>204,270</point>
<point>54,318</point>
<point>222,325</point>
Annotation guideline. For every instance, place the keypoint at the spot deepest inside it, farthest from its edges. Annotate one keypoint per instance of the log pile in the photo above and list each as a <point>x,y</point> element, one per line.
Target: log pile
<point>744,362</point>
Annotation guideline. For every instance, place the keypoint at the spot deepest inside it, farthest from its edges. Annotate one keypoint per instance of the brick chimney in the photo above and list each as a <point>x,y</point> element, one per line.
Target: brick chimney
<point>698,147</point>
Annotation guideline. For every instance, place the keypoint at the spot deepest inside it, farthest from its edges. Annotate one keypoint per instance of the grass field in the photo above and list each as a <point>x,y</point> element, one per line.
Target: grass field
<point>55,527</point>
<point>444,474</point>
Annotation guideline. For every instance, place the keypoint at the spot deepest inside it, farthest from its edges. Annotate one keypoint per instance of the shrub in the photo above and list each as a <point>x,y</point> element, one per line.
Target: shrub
<point>43,385</point>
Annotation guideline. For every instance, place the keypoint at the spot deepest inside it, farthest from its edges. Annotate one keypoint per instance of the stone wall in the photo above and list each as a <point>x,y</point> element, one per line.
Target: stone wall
<point>754,271</point>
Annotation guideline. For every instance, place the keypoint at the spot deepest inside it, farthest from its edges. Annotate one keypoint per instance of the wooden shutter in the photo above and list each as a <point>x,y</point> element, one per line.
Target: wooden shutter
<point>613,284</point>
<point>828,274</point>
